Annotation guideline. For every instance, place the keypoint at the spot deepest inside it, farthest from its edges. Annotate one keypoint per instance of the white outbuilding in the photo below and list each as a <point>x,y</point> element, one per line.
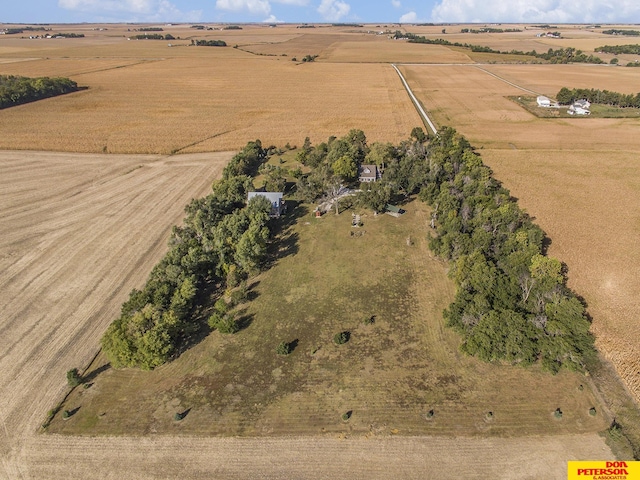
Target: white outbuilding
<point>543,101</point>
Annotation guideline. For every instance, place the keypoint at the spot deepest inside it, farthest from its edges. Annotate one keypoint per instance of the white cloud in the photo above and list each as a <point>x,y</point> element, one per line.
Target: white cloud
<point>299,3</point>
<point>334,10</point>
<point>411,17</point>
<point>396,3</point>
<point>534,11</point>
<point>132,10</point>
<point>255,7</point>
<point>272,19</point>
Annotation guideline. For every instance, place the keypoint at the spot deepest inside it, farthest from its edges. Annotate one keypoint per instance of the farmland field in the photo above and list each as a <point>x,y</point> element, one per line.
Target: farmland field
<point>79,231</point>
<point>141,101</point>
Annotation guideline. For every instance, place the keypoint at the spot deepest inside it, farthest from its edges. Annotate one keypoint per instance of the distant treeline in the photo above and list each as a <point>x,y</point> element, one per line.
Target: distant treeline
<point>68,35</point>
<point>620,49</point>
<point>490,30</point>
<point>10,31</point>
<point>222,239</point>
<point>604,97</point>
<point>153,36</point>
<point>151,29</point>
<point>209,43</point>
<point>16,90</point>
<point>561,55</point>
<point>232,27</point>
<point>613,31</point>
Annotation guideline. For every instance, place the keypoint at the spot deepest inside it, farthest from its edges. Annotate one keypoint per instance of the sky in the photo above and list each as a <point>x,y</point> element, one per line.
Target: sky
<point>316,11</point>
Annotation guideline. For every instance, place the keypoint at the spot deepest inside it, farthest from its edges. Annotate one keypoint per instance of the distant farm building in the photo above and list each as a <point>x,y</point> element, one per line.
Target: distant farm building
<point>582,104</point>
<point>543,101</point>
<point>368,173</point>
<point>278,205</point>
<point>578,110</point>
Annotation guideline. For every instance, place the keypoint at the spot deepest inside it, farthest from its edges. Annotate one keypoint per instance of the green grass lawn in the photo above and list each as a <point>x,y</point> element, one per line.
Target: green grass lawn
<point>402,374</point>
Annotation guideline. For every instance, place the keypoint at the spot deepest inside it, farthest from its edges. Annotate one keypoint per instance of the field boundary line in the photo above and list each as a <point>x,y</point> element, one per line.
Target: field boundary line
<point>417,104</point>
<point>178,150</point>
<point>506,81</point>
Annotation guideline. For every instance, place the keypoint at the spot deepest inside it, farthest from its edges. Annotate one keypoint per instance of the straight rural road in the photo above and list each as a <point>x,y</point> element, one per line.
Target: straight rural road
<point>415,101</point>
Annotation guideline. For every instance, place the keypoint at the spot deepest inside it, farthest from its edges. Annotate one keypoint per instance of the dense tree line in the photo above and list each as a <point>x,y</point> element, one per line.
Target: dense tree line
<point>209,43</point>
<point>153,36</point>
<point>561,55</point>
<point>16,90</point>
<point>567,96</point>
<point>511,302</point>
<point>630,33</point>
<point>620,49</point>
<point>222,239</point>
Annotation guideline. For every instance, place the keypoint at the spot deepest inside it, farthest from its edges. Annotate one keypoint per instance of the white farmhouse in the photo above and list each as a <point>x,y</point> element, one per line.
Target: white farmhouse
<point>582,104</point>
<point>578,110</point>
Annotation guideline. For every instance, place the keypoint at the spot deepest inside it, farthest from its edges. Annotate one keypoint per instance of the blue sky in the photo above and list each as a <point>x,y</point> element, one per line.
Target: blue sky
<point>386,11</point>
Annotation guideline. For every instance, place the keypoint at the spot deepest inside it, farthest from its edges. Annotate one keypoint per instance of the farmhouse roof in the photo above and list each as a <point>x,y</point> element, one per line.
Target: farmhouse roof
<point>368,173</point>
<point>277,203</point>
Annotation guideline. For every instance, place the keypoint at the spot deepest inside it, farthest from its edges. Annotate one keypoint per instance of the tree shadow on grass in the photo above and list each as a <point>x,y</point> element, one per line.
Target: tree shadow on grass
<point>92,376</point>
<point>286,241</point>
<point>244,319</point>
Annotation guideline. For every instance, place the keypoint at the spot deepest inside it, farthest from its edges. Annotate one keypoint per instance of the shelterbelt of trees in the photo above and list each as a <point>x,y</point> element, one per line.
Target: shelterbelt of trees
<point>567,96</point>
<point>16,90</point>
<point>633,49</point>
<point>561,55</point>
<point>222,238</point>
<point>512,303</point>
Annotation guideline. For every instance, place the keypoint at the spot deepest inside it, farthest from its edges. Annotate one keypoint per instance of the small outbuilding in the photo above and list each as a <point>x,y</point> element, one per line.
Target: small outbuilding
<point>278,205</point>
<point>543,101</point>
<point>394,210</point>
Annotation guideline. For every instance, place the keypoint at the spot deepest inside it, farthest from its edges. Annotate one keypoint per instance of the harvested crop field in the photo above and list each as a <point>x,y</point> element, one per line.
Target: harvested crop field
<point>140,100</point>
<point>78,233</point>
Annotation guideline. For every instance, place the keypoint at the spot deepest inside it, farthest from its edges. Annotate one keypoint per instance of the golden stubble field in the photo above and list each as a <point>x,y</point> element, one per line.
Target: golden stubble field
<point>577,177</point>
<point>145,97</point>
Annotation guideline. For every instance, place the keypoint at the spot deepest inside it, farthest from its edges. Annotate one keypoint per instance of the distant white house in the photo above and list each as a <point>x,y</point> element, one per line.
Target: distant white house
<point>368,173</point>
<point>578,110</point>
<point>278,206</point>
<point>582,104</point>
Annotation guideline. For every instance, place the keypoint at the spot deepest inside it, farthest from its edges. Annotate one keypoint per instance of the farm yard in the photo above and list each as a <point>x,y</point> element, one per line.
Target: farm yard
<point>82,229</point>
